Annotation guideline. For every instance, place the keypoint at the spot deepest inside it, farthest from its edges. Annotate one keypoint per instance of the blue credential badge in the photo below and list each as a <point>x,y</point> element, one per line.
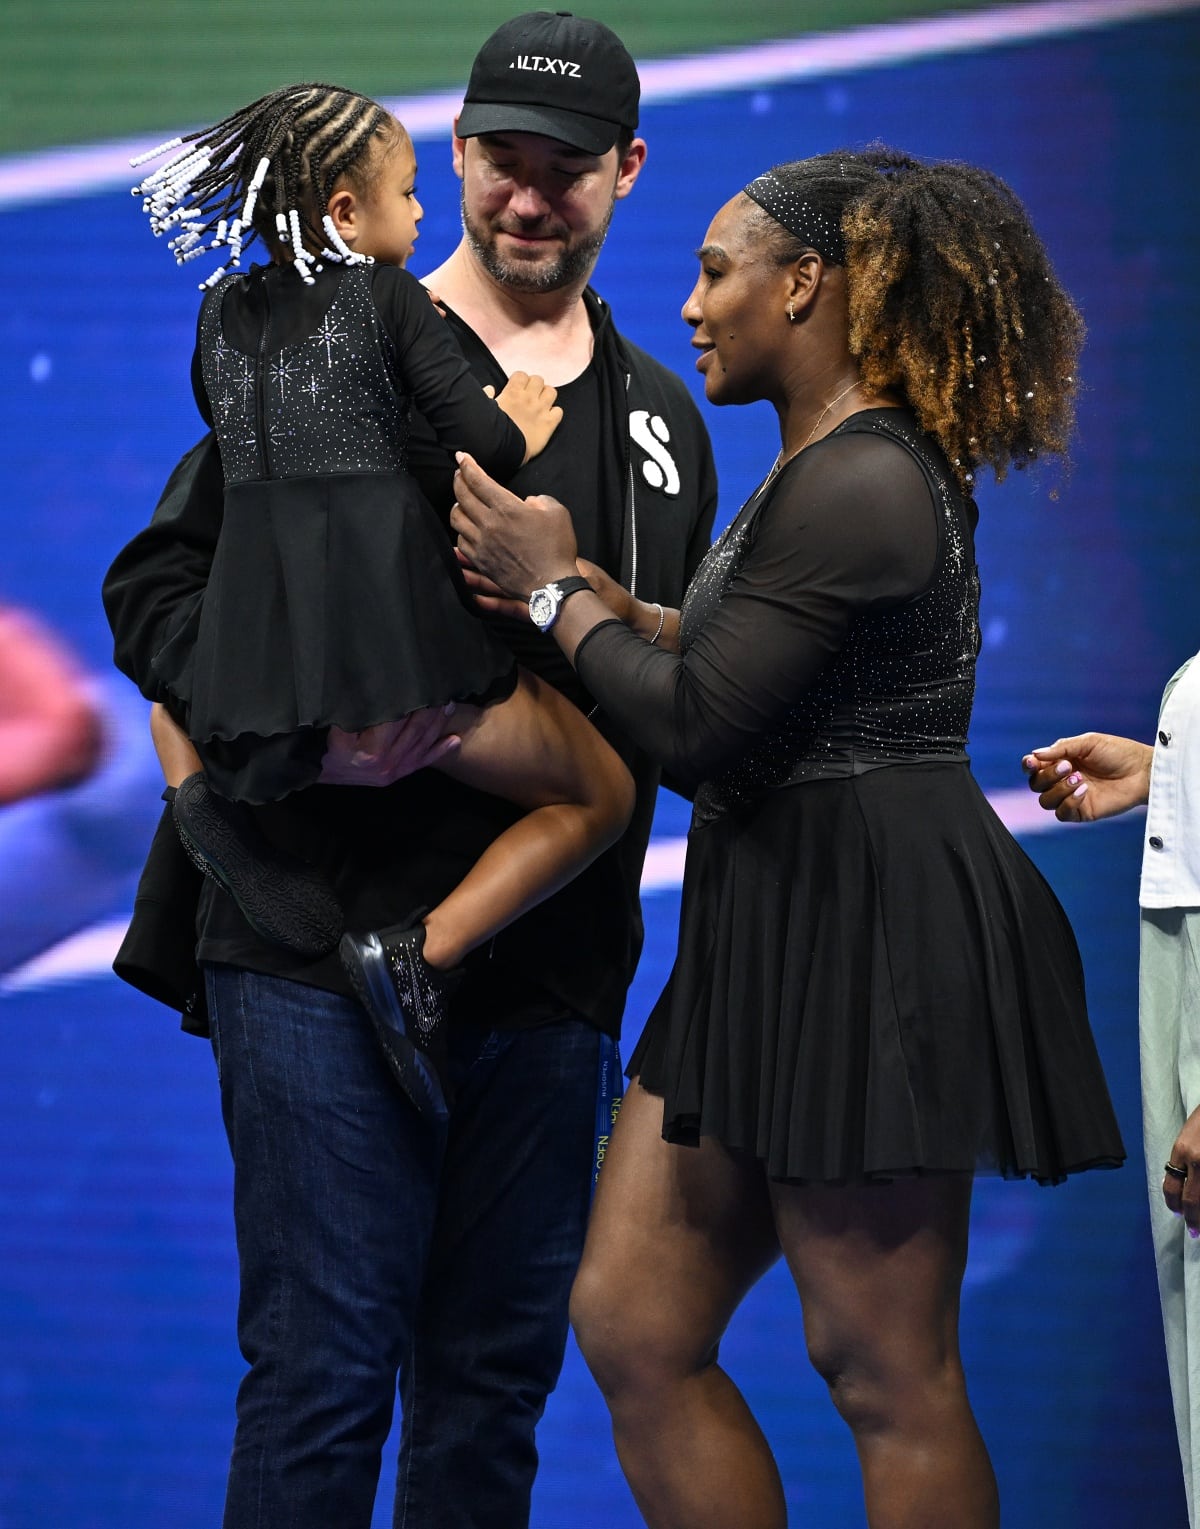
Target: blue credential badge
<point>610,1090</point>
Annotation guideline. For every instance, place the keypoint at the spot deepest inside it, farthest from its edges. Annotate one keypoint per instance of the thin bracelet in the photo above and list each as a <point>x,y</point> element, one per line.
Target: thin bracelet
<point>662,616</point>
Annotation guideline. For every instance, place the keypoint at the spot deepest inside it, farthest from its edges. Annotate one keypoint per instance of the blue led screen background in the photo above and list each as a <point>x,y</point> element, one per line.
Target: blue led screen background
<point>117,1278</point>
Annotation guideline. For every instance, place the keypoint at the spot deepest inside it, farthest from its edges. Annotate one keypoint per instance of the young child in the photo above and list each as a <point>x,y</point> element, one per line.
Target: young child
<point>334,598</point>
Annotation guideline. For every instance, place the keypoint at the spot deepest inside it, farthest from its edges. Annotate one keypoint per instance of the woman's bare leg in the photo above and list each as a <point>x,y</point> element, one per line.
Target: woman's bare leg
<point>677,1237</point>
<point>879,1269</point>
<point>540,752</point>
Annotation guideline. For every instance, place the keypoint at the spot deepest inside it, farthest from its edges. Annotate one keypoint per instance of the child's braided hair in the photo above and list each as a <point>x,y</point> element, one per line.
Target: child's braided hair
<point>269,169</point>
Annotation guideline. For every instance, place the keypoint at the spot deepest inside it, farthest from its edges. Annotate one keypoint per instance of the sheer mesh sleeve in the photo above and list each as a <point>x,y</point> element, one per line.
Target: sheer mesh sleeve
<point>435,373</point>
<point>849,527</point>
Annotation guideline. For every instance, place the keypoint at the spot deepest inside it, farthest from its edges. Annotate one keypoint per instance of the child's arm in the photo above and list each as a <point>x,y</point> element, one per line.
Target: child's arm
<point>433,371</point>
<point>529,403</point>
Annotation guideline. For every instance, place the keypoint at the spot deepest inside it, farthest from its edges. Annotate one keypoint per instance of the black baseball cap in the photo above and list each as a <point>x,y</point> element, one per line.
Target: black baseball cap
<point>553,73</point>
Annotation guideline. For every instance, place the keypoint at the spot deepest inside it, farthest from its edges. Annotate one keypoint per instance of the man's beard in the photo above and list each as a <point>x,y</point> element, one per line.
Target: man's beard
<point>570,266</point>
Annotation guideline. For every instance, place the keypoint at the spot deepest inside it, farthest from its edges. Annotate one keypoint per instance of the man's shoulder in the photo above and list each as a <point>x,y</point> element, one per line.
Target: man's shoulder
<point>646,371</point>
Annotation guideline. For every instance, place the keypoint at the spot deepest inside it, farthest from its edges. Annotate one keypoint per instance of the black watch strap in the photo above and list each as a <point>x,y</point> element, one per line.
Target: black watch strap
<point>570,586</point>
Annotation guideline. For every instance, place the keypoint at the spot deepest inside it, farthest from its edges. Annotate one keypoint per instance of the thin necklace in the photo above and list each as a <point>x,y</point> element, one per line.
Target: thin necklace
<point>781,460</point>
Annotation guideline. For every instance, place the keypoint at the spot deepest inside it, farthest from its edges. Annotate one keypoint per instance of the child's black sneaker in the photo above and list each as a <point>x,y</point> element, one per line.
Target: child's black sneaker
<point>406,999</point>
<point>281,898</point>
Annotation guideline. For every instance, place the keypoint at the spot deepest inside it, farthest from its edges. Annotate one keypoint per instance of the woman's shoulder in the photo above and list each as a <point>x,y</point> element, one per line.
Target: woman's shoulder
<point>868,460</point>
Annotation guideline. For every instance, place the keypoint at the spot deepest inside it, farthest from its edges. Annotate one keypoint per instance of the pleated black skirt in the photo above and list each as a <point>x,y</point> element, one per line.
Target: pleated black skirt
<point>873,979</point>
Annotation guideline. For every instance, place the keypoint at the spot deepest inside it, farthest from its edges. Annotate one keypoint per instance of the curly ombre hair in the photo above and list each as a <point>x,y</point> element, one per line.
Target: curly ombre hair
<point>953,302</point>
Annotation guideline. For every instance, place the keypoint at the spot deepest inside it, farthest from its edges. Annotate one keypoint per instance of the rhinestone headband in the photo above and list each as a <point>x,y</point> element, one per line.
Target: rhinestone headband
<point>815,228</point>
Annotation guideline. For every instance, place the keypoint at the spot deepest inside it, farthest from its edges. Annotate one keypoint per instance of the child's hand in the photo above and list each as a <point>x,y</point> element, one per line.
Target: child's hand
<point>529,403</point>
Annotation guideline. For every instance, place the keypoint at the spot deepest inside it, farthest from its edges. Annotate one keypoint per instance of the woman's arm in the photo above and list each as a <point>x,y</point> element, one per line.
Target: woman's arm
<point>860,531</point>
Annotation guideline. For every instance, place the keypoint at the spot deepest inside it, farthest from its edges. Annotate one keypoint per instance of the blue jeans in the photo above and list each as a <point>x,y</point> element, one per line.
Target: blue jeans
<point>372,1246</point>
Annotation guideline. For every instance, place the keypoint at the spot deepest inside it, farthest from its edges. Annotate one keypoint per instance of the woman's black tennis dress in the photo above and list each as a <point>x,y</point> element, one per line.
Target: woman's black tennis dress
<point>872,977</point>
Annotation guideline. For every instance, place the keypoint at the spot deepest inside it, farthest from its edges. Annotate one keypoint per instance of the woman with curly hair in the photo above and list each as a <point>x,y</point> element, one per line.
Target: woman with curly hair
<point>876,995</point>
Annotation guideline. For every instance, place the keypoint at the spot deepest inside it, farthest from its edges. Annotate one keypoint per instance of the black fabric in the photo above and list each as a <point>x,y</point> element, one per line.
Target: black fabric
<point>158,953</point>
<point>388,851</point>
<point>333,596</point>
<point>576,468</point>
<point>871,978</point>
<point>367,622</point>
<point>843,539</point>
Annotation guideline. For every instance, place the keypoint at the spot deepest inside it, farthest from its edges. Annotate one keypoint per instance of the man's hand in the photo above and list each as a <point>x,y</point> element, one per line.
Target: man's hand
<point>1091,776</point>
<point>387,752</point>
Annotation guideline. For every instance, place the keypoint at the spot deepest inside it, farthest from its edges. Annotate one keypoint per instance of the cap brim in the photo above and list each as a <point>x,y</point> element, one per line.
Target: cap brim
<point>592,134</point>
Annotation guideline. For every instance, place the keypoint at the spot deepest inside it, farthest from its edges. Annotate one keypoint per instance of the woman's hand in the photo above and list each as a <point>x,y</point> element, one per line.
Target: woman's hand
<point>387,752</point>
<point>519,544</point>
<point>1094,775</point>
<point>488,595</point>
<point>1183,1194</point>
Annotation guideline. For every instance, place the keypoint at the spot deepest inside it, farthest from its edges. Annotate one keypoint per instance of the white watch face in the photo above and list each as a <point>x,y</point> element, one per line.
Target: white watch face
<point>543,607</point>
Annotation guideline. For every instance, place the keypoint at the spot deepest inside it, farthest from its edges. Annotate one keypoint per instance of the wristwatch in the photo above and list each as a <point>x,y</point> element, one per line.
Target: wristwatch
<point>545,603</point>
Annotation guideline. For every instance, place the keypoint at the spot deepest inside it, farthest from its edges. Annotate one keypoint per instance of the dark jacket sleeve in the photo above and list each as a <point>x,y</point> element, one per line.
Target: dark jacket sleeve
<point>154,589</point>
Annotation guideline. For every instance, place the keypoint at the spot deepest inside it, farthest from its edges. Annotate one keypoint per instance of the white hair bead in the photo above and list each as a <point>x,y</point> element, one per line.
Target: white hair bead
<point>171,143</point>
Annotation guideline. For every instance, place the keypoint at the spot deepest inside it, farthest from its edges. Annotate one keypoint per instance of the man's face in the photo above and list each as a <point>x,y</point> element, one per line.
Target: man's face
<point>535,211</point>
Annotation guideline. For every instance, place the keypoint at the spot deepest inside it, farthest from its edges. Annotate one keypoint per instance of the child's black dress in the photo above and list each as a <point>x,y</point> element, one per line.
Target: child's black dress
<point>334,597</point>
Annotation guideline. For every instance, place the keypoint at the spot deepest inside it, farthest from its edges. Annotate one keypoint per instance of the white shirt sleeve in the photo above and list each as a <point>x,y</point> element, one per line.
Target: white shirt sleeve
<point>1171,849</point>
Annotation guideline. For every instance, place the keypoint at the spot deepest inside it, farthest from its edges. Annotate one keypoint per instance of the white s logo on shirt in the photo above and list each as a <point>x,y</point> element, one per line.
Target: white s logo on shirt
<point>650,432</point>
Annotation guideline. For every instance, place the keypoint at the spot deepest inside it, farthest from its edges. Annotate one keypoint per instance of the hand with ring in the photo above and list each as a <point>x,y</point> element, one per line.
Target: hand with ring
<point>1181,1175</point>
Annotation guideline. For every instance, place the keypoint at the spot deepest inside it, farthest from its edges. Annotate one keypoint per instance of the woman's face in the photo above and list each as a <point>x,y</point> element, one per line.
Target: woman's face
<point>738,310</point>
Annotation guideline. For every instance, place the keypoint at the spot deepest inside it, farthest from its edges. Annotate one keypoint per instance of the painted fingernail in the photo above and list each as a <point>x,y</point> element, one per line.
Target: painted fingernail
<point>1080,789</point>
<point>1062,767</point>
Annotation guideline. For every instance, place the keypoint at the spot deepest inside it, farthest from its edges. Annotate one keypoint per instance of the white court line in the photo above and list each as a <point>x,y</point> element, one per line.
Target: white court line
<point>90,952</point>
<point>79,170</point>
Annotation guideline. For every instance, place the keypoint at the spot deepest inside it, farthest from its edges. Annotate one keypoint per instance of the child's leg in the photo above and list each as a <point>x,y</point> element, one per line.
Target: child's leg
<point>540,752</point>
<point>176,753</point>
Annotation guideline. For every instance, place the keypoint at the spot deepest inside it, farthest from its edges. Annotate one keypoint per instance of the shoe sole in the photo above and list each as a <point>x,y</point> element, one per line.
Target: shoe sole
<point>365,963</point>
<point>280,901</point>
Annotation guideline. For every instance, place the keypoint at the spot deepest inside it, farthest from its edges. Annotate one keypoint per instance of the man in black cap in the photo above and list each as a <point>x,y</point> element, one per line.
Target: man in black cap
<point>371,1242</point>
